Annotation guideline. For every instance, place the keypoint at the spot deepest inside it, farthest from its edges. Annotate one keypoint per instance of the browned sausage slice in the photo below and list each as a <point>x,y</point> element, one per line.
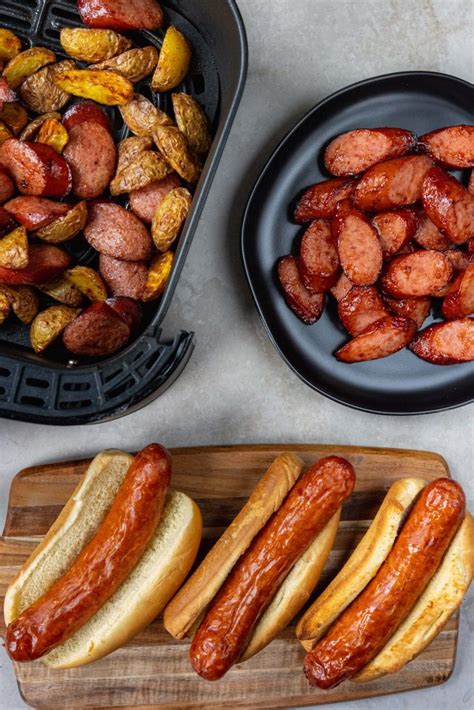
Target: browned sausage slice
<point>319,201</point>
<point>307,306</point>
<point>383,338</point>
<point>446,343</point>
<point>394,229</point>
<point>428,235</point>
<point>358,246</point>
<point>97,331</point>
<point>319,261</point>
<point>36,212</point>
<point>145,201</point>
<point>449,205</point>
<point>424,273</point>
<point>127,309</point>
<point>460,303</point>
<point>37,168</point>
<point>45,263</point>
<point>415,308</point>
<point>114,231</point>
<point>358,150</point>
<point>342,287</point>
<point>121,14</point>
<point>85,111</point>
<point>361,308</point>
<point>395,183</point>
<point>124,278</point>
<point>453,147</point>
<point>7,222</point>
<point>459,259</point>
<point>92,156</point>
<point>7,187</point>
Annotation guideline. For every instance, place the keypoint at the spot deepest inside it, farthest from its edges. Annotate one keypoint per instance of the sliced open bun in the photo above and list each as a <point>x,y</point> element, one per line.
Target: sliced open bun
<point>184,611</point>
<point>363,564</point>
<point>441,598</point>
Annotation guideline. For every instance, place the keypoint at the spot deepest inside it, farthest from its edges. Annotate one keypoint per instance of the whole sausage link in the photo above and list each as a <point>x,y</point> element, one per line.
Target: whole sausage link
<point>250,587</point>
<point>366,625</point>
<point>102,565</point>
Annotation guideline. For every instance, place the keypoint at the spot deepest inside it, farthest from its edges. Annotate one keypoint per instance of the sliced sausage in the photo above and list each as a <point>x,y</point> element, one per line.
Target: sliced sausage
<point>459,259</point>
<point>7,223</point>
<point>114,231</point>
<point>428,235</point>
<point>92,156</point>
<point>449,205</point>
<point>362,307</point>
<point>358,246</point>
<point>35,212</point>
<point>45,263</point>
<point>356,151</point>
<point>415,308</point>
<point>121,14</point>
<point>97,331</point>
<point>127,309</point>
<point>7,187</point>
<point>383,338</point>
<point>124,278</point>
<point>446,343</point>
<point>423,273</point>
<point>319,201</point>
<point>342,287</point>
<point>319,261</point>
<point>395,183</point>
<point>37,168</point>
<point>460,303</point>
<point>307,306</point>
<point>145,201</point>
<point>85,111</point>
<point>394,229</point>
<point>453,147</point>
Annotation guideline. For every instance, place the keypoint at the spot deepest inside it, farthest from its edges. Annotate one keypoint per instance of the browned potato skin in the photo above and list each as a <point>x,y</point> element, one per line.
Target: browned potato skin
<point>134,64</point>
<point>174,61</point>
<point>63,291</point>
<point>65,227</point>
<point>158,276</point>
<point>93,45</point>
<point>4,132</point>
<point>145,168</point>
<point>53,133</point>
<point>24,303</point>
<point>129,148</point>
<point>30,131</point>
<point>49,324</point>
<point>192,122</point>
<point>27,63</point>
<point>14,249</point>
<point>15,117</point>
<point>141,116</point>
<point>174,147</point>
<point>101,85</point>
<point>5,303</point>
<point>40,93</point>
<point>88,282</point>
<point>10,45</point>
<point>170,217</point>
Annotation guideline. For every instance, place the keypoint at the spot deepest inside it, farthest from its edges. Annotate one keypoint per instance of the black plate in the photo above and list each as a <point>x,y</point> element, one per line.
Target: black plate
<point>402,383</point>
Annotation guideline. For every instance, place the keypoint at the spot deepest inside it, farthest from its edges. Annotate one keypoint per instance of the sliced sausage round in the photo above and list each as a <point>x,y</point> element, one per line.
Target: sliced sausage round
<point>97,331</point>
<point>35,212</point>
<point>92,156</point>
<point>45,263</point>
<point>121,14</point>
<point>394,229</point>
<point>319,261</point>
<point>415,308</point>
<point>145,201</point>
<point>114,231</point>
<point>453,147</point>
<point>424,273</point>
<point>358,246</point>
<point>319,201</point>
<point>342,287</point>
<point>449,205</point>
<point>446,343</point>
<point>7,223</point>
<point>37,168</point>
<point>127,309</point>
<point>428,235</point>
<point>307,306</point>
<point>460,302</point>
<point>124,278</point>
<point>385,337</point>
<point>358,150</point>
<point>7,187</point>
<point>362,307</point>
<point>395,183</point>
<point>85,111</point>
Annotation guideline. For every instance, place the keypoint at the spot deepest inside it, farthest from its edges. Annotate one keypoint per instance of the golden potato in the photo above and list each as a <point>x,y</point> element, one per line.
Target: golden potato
<point>92,45</point>
<point>65,227</point>
<point>158,276</point>
<point>135,64</point>
<point>4,132</point>
<point>140,116</point>
<point>14,249</point>
<point>173,62</point>
<point>39,92</point>
<point>173,145</point>
<point>24,303</point>
<point>49,324</point>
<point>88,282</point>
<point>170,217</point>
<point>27,63</point>
<point>15,116</point>
<point>6,300</point>
<point>10,45</point>
<point>103,86</point>
<point>147,167</point>
<point>192,122</point>
<point>33,127</point>
<point>53,133</point>
<point>63,291</point>
<point>129,148</point>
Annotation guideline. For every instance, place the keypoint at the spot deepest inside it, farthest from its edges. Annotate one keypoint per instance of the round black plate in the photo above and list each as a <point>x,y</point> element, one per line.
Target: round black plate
<point>402,383</point>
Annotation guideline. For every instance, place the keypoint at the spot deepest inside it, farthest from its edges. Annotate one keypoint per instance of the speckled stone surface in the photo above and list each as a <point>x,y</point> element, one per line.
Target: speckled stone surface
<point>236,389</point>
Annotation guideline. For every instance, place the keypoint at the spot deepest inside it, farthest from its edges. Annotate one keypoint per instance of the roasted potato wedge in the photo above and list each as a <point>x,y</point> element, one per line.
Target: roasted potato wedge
<point>40,94</point>
<point>88,282</point>
<point>135,64</point>
<point>129,148</point>
<point>24,303</point>
<point>10,45</point>
<point>103,86</point>
<point>6,300</point>
<point>14,249</point>
<point>141,116</point>
<point>4,132</point>
<point>66,227</point>
<point>53,133</point>
<point>147,167</point>
<point>27,63</point>
<point>30,131</point>
<point>192,122</point>
<point>90,45</point>
<point>173,145</point>
<point>63,291</point>
<point>170,217</point>
<point>49,324</point>
<point>173,62</point>
<point>158,276</point>
<point>15,117</point>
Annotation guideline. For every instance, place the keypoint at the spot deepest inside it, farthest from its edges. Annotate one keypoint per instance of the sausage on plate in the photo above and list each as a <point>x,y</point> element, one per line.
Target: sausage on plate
<point>319,264</point>
<point>381,339</point>
<point>449,205</point>
<point>395,229</point>
<point>446,343</point>
<point>356,151</point>
<point>361,308</point>
<point>394,183</point>
<point>307,306</point>
<point>423,273</point>
<point>453,147</point>
<point>320,200</point>
<point>358,246</point>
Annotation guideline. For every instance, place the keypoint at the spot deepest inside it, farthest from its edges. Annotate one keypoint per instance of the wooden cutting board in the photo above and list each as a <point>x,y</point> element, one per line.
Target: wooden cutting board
<point>153,669</point>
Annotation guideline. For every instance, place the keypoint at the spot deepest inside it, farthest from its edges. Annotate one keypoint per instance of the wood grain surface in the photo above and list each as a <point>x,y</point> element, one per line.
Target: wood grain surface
<point>153,669</point>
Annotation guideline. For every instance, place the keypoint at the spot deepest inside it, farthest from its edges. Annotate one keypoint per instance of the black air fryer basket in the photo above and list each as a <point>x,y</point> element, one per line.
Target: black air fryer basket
<point>55,389</point>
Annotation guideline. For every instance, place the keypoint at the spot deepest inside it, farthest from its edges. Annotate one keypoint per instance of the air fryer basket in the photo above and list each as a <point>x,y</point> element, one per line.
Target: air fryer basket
<point>56,389</point>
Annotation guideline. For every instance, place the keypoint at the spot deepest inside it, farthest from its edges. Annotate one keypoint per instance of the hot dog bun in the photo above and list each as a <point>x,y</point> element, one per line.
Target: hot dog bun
<point>363,564</point>
<point>159,573</point>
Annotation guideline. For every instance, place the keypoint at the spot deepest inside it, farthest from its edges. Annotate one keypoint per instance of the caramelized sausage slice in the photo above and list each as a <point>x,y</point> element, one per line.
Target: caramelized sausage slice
<point>424,273</point>
<point>85,111</point>
<point>385,337</point>
<point>449,205</point>
<point>395,183</point>
<point>36,212</point>
<point>394,229</point>
<point>45,263</point>
<point>307,306</point>
<point>342,287</point>
<point>415,308</point>
<point>116,232</point>
<point>7,188</point>
<point>361,308</point>
<point>92,157</point>
<point>319,201</point>
<point>319,261</point>
<point>124,278</point>
<point>446,343</point>
<point>358,246</point>
<point>98,331</point>
<point>461,302</point>
<point>121,14</point>
<point>453,147</point>
<point>37,168</point>
<point>358,150</point>
<point>428,235</point>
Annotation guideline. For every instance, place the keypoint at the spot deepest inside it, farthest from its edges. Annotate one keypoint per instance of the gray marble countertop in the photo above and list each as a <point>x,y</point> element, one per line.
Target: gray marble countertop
<point>236,389</point>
